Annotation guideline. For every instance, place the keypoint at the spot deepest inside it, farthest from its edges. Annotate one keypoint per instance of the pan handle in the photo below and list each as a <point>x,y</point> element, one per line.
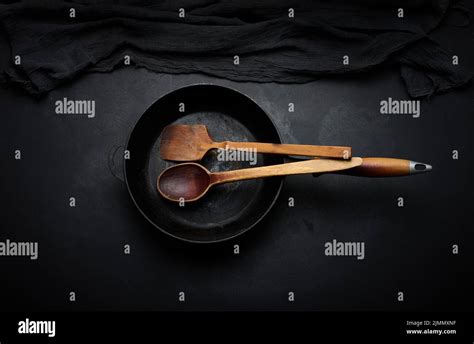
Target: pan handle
<point>385,167</point>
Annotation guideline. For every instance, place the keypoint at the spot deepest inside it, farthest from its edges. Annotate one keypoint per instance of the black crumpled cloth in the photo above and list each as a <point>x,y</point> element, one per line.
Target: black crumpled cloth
<point>271,46</point>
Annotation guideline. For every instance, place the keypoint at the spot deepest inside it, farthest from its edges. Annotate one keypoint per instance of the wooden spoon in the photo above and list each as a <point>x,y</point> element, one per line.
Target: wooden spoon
<point>191,142</point>
<point>190,181</point>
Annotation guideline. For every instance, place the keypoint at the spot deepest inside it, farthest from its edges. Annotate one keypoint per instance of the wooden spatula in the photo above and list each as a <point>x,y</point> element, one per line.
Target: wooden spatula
<point>191,142</point>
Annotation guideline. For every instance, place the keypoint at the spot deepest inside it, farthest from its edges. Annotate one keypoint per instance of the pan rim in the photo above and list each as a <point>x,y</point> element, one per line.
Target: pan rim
<point>246,229</point>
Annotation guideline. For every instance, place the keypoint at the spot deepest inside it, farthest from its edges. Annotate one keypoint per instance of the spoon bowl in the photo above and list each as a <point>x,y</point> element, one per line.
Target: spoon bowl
<point>184,182</point>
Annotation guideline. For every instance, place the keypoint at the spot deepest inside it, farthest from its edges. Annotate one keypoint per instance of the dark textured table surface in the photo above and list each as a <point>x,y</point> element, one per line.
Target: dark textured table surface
<point>81,249</point>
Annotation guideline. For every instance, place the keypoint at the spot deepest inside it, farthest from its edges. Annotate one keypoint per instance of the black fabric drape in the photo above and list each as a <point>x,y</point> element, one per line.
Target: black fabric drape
<point>271,46</point>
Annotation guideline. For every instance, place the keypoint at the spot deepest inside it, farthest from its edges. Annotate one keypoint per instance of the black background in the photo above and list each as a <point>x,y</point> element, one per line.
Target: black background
<point>407,249</point>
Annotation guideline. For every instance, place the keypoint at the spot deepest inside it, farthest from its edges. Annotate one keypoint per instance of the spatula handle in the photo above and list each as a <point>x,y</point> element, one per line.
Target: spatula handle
<point>337,152</point>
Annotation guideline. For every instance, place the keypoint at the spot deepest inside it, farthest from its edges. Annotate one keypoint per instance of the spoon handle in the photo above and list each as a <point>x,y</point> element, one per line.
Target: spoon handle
<point>337,152</point>
<point>302,167</point>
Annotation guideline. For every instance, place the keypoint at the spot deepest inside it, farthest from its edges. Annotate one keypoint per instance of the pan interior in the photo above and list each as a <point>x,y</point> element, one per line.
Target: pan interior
<point>226,210</point>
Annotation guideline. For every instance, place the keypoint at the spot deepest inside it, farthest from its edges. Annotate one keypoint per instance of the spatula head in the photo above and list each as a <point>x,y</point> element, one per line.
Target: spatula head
<point>181,142</point>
